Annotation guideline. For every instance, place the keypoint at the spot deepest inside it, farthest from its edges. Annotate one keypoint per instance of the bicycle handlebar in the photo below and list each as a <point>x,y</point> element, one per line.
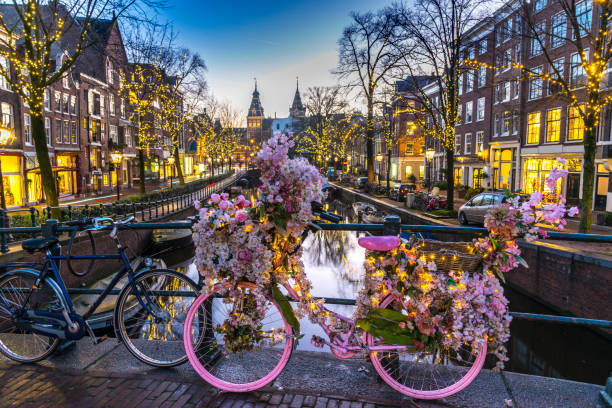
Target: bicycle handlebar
<point>317,209</point>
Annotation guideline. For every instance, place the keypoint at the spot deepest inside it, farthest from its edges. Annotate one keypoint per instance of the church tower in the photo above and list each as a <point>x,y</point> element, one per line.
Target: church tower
<point>297,110</point>
<point>255,118</point>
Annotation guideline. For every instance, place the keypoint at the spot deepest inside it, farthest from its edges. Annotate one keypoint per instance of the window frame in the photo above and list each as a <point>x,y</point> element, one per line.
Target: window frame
<point>529,141</point>
<point>547,139</point>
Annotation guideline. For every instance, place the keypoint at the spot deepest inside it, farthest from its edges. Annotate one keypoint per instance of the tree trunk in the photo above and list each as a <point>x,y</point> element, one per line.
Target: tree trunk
<point>450,180</point>
<point>179,170</point>
<point>588,173</point>
<point>141,171</point>
<point>370,140</point>
<point>388,169</point>
<point>46,171</point>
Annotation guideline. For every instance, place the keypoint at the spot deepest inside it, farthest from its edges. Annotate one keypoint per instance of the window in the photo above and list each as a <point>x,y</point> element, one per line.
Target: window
<point>558,30</point>
<point>27,128</point>
<point>113,134</point>
<point>7,115</point>
<point>498,35</point>
<point>73,104</point>
<point>468,112</point>
<point>94,158</point>
<point>515,122</point>
<point>65,81</point>
<point>506,123</point>
<point>536,45</point>
<point>48,131</point>
<point>553,125</point>
<point>460,84</point>
<point>556,71</point>
<point>3,82</point>
<point>468,143</point>
<point>575,123</point>
<point>457,144</point>
<point>47,100</point>
<point>480,109</point>
<point>471,53</point>
<point>479,141</point>
<point>111,104</point>
<point>578,76</point>
<point>109,72</point>
<point>507,29</point>
<point>535,84</point>
<point>583,16</point>
<point>122,108</point>
<point>459,114</point>
<point>58,101</point>
<point>516,87</point>
<point>66,100</point>
<point>482,46</point>
<point>506,92</point>
<point>533,127</point>
<point>128,137</point>
<point>58,131</point>
<point>506,59</point>
<point>66,132</point>
<point>517,53</point>
<point>469,77</point>
<point>496,125</point>
<point>482,76</point>
<point>539,5</point>
<point>73,132</point>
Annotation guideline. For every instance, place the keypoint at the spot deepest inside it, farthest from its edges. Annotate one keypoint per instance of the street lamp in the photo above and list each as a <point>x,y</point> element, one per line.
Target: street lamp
<point>116,158</point>
<point>171,163</point>
<point>379,158</point>
<point>429,155</point>
<point>6,137</point>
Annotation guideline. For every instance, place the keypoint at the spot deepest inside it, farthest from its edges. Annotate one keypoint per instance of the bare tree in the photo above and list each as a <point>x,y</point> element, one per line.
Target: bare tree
<point>436,32</point>
<point>369,50</point>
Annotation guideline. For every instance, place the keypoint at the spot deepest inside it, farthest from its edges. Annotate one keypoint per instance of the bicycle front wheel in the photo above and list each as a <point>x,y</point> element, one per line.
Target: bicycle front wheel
<point>20,344</point>
<point>426,375</point>
<point>243,371</point>
<point>154,333</point>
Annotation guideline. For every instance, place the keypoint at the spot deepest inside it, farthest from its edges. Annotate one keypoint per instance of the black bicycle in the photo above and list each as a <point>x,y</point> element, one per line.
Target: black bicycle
<point>36,312</point>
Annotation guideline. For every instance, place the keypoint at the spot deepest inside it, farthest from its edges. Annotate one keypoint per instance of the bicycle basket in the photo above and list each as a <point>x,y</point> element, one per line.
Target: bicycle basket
<point>448,256</point>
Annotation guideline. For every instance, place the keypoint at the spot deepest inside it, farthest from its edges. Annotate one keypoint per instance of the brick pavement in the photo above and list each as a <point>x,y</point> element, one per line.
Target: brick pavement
<point>44,387</point>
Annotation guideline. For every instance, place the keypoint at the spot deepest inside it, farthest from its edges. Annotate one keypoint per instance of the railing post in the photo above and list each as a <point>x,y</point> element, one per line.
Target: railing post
<point>69,212</point>
<point>142,210</point>
<point>3,237</point>
<point>156,209</point>
<point>86,210</point>
<point>33,217</point>
<point>392,225</point>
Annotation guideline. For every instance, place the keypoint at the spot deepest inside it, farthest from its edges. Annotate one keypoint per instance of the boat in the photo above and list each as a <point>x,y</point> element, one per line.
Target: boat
<point>171,238</point>
<point>373,217</point>
<point>359,207</point>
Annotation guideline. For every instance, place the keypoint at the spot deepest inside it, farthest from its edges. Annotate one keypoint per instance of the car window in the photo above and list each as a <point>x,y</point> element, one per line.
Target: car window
<point>487,199</point>
<point>477,200</point>
<point>498,199</point>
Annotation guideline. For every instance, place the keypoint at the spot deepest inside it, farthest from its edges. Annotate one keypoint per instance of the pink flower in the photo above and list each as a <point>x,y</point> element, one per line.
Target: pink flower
<point>224,205</point>
<point>562,161</point>
<point>215,198</point>
<point>241,216</point>
<point>197,205</point>
<point>560,227</point>
<point>573,211</point>
<point>225,196</point>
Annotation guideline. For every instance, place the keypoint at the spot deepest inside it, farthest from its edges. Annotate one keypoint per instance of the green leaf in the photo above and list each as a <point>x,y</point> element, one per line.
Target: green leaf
<point>494,243</point>
<point>522,261</point>
<point>286,308</point>
<point>390,336</point>
<point>388,314</point>
<point>451,282</point>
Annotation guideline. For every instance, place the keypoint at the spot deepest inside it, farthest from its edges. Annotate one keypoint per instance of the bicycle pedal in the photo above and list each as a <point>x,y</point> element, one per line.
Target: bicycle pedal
<point>317,341</point>
<point>100,339</point>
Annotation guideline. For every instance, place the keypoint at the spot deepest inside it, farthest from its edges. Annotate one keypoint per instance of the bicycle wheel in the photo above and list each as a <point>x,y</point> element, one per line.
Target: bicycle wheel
<point>19,344</point>
<point>426,375</point>
<point>155,339</point>
<point>246,371</point>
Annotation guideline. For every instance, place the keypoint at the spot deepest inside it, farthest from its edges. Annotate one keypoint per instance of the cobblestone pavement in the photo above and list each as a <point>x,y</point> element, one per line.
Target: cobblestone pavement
<point>42,387</point>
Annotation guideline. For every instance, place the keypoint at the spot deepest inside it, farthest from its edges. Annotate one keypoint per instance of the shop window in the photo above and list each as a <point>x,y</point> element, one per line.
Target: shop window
<point>536,171</point>
<point>553,125</point>
<point>458,175</point>
<point>105,179</point>
<point>27,128</point>
<point>533,127</point>
<point>12,179</point>
<point>422,171</point>
<point>575,126</point>
<point>408,171</point>
<point>477,178</point>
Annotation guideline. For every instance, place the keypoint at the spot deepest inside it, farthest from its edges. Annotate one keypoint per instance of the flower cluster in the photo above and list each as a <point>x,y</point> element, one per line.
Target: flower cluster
<point>238,241</point>
<point>522,218</point>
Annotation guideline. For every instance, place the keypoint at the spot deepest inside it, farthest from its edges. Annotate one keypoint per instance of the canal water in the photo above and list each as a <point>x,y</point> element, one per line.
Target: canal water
<point>333,262</point>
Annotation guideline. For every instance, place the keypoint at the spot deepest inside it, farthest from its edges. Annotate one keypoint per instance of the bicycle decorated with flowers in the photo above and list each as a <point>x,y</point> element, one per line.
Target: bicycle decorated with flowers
<point>425,324</point>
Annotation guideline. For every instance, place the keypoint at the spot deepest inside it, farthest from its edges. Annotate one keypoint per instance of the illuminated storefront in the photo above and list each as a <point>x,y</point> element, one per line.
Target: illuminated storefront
<point>12,180</point>
<point>535,171</point>
<point>66,175</point>
<point>504,168</point>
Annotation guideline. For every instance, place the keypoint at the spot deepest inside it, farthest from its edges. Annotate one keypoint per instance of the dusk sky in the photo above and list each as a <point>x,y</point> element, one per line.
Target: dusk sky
<point>274,41</point>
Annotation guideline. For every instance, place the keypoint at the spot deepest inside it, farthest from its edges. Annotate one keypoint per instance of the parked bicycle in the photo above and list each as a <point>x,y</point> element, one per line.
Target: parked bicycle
<point>416,373</point>
<point>36,312</point>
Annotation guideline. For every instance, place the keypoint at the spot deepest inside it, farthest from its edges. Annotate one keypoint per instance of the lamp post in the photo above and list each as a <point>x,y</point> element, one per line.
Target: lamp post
<point>171,163</point>
<point>379,158</point>
<point>6,136</point>
<point>429,155</point>
<point>116,158</point>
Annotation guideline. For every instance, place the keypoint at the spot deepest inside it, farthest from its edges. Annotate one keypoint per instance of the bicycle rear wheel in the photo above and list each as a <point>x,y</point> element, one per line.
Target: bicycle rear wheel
<point>19,344</point>
<point>155,339</point>
<point>426,375</point>
<point>235,372</point>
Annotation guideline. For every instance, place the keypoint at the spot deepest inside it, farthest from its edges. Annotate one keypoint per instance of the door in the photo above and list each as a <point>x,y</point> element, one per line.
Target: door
<point>573,188</point>
<point>601,192</point>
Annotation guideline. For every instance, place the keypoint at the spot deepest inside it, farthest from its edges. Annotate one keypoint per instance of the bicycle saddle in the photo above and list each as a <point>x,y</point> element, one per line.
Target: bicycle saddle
<point>384,243</point>
<point>36,244</point>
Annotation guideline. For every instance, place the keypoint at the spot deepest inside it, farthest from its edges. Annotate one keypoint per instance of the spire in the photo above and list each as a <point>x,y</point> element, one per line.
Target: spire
<point>255,109</point>
<point>297,109</point>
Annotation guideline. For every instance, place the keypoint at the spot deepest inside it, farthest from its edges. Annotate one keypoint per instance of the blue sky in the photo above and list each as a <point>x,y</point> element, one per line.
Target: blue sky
<point>274,41</point>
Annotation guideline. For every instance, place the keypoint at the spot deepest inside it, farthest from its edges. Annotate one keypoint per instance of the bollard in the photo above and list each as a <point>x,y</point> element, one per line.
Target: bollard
<point>392,225</point>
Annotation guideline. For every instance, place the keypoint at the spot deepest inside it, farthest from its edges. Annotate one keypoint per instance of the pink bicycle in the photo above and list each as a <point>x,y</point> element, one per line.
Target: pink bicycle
<point>413,371</point>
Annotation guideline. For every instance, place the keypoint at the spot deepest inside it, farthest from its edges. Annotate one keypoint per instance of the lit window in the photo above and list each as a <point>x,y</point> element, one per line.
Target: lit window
<point>575,127</point>
<point>553,125</point>
<point>7,115</point>
<point>506,119</point>
<point>409,148</point>
<point>479,141</point>
<point>73,132</point>
<point>27,130</point>
<point>533,127</point>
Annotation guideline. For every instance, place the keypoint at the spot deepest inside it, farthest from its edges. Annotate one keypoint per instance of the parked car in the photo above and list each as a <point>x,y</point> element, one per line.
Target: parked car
<point>361,182</point>
<point>399,191</point>
<point>476,209</point>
